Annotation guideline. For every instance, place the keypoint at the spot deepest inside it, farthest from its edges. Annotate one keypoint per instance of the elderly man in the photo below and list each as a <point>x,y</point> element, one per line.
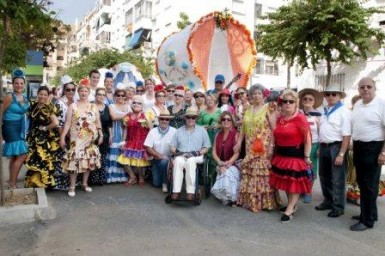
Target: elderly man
<point>368,122</point>
<point>189,144</point>
<point>334,137</point>
<point>157,144</point>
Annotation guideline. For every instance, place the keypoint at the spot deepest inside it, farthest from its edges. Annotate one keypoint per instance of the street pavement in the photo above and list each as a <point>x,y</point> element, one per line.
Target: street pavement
<point>119,220</point>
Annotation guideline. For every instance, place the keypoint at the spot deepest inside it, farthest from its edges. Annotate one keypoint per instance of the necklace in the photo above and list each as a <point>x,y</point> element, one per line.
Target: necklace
<point>36,110</point>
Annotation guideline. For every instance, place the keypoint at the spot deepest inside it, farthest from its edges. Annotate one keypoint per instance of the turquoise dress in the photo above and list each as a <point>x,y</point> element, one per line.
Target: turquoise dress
<point>14,128</point>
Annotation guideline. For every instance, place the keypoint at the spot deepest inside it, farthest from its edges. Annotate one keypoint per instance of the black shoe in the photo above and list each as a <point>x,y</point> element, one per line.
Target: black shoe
<point>356,217</point>
<point>359,227</point>
<point>283,209</point>
<point>323,207</point>
<point>335,213</point>
<point>286,218</point>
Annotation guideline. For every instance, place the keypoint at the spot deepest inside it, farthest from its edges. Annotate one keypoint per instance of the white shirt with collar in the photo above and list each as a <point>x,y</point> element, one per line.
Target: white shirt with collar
<point>368,120</point>
<point>335,126</point>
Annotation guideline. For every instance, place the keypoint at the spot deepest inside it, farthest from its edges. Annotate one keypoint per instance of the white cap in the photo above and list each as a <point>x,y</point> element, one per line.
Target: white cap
<point>120,86</point>
<point>65,80</point>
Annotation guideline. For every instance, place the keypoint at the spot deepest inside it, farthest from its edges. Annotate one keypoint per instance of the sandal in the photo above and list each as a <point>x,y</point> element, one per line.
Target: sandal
<point>86,188</point>
<point>71,192</point>
<point>130,182</point>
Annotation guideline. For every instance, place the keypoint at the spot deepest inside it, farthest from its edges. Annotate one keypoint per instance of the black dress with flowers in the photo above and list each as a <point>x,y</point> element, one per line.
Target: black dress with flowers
<point>43,147</point>
<point>99,176</point>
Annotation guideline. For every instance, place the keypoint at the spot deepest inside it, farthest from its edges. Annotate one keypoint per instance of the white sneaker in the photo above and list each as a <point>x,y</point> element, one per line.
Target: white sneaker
<point>71,193</point>
<point>164,188</point>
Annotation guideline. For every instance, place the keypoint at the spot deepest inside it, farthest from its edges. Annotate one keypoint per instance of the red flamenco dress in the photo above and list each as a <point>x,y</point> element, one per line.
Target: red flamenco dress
<point>289,169</point>
<point>133,151</point>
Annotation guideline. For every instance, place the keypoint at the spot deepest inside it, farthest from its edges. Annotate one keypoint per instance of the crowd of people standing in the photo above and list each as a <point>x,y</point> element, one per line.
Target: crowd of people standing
<point>84,135</point>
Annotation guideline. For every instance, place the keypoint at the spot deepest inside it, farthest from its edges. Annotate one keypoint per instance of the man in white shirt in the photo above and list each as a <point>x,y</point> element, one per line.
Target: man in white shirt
<point>158,144</point>
<point>94,77</point>
<point>368,123</point>
<point>335,131</point>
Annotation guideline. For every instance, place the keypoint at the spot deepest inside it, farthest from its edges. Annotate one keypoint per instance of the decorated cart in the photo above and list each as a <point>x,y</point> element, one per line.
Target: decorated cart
<point>215,44</point>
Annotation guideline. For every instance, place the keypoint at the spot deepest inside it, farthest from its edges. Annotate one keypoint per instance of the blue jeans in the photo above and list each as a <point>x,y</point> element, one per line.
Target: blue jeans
<point>159,172</point>
<point>332,177</point>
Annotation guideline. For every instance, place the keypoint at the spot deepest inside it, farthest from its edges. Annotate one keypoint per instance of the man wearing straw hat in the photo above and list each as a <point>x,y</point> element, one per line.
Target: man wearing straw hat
<point>189,144</point>
<point>157,144</point>
<point>334,137</point>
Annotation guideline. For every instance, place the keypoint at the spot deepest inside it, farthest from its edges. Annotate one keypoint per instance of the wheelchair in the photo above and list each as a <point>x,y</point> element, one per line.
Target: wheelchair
<point>202,173</point>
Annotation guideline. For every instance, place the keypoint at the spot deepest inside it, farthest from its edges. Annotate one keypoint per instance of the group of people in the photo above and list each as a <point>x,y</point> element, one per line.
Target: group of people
<point>87,135</point>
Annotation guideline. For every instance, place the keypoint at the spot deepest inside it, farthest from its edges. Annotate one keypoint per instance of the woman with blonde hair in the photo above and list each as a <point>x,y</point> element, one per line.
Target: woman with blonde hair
<point>291,161</point>
<point>83,123</point>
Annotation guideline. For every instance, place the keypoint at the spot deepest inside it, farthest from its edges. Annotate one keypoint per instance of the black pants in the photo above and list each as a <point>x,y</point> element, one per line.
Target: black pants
<point>365,156</point>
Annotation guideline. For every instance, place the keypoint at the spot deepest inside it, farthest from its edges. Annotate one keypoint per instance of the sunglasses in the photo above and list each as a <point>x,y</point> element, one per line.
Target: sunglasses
<point>362,87</point>
<point>226,119</point>
<point>136,103</point>
<point>172,91</point>
<point>307,99</point>
<point>199,96</point>
<point>70,90</point>
<point>160,96</point>
<point>164,119</point>
<point>178,95</point>
<point>218,82</point>
<point>191,117</point>
<point>121,95</point>
<point>288,101</point>
<point>100,94</point>
<point>139,91</point>
<point>328,94</point>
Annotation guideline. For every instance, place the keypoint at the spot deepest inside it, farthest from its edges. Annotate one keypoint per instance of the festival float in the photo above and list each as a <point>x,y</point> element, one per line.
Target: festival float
<point>215,44</point>
<point>124,72</point>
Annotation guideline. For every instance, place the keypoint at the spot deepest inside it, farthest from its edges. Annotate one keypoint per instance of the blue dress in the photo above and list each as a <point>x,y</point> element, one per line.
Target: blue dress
<point>115,171</point>
<point>14,128</point>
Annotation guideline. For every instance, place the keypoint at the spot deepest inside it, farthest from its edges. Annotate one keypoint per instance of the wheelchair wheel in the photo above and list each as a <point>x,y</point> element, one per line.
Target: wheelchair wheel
<point>198,197</point>
<point>207,180</point>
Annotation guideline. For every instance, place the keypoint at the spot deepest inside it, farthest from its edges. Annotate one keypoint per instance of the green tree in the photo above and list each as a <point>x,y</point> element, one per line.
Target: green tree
<point>107,58</point>
<point>184,21</point>
<point>24,24</point>
<point>309,31</point>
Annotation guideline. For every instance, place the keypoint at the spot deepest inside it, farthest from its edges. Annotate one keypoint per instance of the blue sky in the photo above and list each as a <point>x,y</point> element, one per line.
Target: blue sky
<point>69,10</point>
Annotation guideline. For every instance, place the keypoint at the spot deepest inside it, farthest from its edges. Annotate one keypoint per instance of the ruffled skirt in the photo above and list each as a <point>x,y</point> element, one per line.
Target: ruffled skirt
<point>290,174</point>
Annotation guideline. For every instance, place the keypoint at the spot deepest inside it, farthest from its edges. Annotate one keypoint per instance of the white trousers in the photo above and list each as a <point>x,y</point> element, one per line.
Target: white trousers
<point>190,165</point>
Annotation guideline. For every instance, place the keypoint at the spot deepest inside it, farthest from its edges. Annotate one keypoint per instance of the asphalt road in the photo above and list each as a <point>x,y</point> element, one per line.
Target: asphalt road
<point>118,220</point>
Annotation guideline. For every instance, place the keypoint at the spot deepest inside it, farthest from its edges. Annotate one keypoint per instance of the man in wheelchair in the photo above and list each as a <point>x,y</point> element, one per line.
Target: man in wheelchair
<point>189,145</point>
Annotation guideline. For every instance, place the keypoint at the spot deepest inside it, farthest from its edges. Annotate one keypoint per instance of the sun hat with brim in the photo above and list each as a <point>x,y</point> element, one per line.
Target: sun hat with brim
<point>199,92</point>
<point>165,114</point>
<point>192,111</point>
<point>318,96</point>
<point>335,88</point>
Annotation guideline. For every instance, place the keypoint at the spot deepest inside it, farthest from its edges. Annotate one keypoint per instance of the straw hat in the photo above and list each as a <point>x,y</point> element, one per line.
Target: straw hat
<point>165,114</point>
<point>192,111</point>
<point>318,96</point>
<point>335,88</point>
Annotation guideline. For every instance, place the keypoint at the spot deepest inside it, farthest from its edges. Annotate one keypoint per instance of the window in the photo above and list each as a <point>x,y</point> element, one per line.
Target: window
<point>60,58</point>
<point>259,68</point>
<point>143,9</point>
<point>258,10</point>
<point>338,79</point>
<point>128,17</point>
<point>271,68</point>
